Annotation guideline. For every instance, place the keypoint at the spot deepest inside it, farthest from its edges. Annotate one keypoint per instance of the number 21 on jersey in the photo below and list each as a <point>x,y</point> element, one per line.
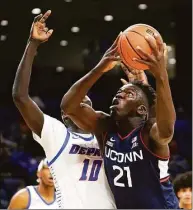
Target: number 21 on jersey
<point>94,172</point>
<point>120,175</point>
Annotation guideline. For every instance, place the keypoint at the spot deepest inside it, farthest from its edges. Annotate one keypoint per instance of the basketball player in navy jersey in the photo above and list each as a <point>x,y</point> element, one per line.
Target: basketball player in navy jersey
<point>134,146</point>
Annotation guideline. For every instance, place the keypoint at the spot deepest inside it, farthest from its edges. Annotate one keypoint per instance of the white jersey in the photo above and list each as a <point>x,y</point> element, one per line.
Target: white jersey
<point>36,201</point>
<point>76,166</point>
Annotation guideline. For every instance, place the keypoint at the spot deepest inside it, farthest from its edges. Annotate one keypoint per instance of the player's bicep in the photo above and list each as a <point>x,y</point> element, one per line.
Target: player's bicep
<point>31,113</point>
<point>19,200</point>
<point>154,135</point>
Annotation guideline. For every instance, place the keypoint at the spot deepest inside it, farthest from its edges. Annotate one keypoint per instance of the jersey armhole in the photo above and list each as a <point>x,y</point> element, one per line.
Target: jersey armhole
<point>29,199</point>
<point>61,149</point>
<point>165,158</point>
<point>165,179</point>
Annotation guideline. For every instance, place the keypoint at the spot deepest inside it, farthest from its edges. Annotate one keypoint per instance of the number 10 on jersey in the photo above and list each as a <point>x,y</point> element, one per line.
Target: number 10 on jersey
<point>94,173</point>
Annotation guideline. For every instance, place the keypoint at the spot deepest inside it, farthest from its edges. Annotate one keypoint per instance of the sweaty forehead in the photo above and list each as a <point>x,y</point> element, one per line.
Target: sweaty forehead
<point>132,87</point>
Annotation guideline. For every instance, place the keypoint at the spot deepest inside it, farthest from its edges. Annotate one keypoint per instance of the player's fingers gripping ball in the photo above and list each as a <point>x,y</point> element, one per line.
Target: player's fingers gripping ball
<point>131,38</point>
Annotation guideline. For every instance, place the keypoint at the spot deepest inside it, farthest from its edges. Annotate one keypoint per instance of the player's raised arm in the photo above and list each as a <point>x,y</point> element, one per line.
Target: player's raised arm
<point>84,116</point>
<point>162,130</point>
<point>29,110</point>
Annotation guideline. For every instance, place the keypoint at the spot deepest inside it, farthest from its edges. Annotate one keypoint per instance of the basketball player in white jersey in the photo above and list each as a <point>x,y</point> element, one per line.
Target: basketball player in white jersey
<point>41,196</point>
<point>73,157</point>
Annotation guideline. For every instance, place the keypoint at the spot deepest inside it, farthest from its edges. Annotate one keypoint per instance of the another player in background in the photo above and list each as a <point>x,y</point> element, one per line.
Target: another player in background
<point>183,189</point>
<point>135,146</point>
<point>73,155</point>
<point>41,196</point>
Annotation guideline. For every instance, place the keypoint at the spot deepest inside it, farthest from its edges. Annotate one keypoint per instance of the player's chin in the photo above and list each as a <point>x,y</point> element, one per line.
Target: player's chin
<point>114,113</point>
<point>50,184</point>
<point>187,201</point>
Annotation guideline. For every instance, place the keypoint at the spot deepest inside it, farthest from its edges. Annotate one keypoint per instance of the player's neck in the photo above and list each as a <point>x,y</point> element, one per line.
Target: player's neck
<point>46,191</point>
<point>185,206</point>
<point>126,126</point>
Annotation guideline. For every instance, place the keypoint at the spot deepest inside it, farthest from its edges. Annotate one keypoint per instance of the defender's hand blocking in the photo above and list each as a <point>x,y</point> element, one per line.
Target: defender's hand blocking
<point>133,75</point>
<point>39,31</point>
<point>110,58</point>
<point>158,60</point>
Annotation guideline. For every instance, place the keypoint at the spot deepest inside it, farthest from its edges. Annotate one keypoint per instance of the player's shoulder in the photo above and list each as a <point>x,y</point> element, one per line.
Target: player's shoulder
<point>53,121</point>
<point>22,194</point>
<point>20,199</point>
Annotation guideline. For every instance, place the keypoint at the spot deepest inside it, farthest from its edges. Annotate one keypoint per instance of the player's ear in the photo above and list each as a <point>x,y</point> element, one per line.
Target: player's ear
<point>62,115</point>
<point>38,179</point>
<point>142,110</point>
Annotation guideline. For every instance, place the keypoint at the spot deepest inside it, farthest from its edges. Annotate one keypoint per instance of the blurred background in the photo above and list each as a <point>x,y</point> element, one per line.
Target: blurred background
<point>83,30</point>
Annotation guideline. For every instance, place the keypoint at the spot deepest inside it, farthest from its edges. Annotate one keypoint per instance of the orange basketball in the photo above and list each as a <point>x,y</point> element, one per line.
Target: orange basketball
<point>131,38</point>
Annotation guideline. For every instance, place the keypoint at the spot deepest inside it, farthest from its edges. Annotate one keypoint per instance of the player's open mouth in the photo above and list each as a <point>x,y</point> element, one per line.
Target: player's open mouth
<point>115,101</point>
<point>187,198</point>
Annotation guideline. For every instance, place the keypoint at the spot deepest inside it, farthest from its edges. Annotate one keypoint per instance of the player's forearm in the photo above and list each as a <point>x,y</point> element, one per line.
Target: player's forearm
<point>23,74</point>
<point>77,92</point>
<point>165,111</point>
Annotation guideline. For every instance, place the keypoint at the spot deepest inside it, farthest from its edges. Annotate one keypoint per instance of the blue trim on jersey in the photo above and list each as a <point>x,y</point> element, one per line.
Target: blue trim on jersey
<point>61,149</point>
<point>84,138</point>
<point>43,198</point>
<point>29,200</point>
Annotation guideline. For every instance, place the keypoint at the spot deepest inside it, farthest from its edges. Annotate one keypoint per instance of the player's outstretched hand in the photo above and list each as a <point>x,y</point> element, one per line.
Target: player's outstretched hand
<point>110,58</point>
<point>133,75</point>
<point>157,60</point>
<point>39,32</point>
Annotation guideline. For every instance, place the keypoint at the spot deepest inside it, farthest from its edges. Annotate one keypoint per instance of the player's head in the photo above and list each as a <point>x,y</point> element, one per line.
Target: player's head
<point>183,188</point>
<point>44,175</point>
<point>67,121</point>
<point>133,100</point>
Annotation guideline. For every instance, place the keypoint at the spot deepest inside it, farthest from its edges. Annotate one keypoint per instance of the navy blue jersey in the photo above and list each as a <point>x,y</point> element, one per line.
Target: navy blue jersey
<point>138,178</point>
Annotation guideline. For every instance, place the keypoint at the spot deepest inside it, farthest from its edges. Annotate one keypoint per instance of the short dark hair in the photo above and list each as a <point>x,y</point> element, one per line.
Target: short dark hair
<point>148,91</point>
<point>182,181</point>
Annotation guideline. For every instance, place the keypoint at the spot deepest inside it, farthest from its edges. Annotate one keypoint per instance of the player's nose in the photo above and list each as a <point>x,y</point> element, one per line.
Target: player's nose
<point>188,193</point>
<point>120,95</point>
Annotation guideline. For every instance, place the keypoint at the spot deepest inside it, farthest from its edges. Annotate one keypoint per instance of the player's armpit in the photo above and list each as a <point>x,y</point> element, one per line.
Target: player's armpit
<point>31,113</point>
<point>154,134</point>
<point>19,200</point>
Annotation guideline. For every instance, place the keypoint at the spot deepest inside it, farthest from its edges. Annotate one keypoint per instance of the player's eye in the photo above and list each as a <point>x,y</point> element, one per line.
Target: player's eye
<point>130,94</point>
